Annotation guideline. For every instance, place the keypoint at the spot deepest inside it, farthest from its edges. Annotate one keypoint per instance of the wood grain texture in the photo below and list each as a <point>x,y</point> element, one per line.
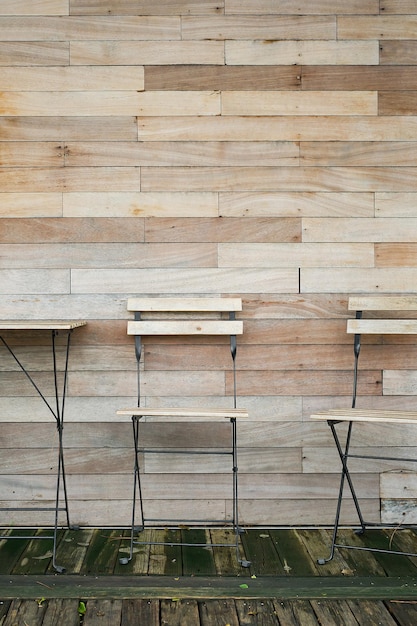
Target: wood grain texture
<point>246,148</point>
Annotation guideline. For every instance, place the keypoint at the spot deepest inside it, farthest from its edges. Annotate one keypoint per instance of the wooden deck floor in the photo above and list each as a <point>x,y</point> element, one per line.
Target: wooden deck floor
<point>194,586</point>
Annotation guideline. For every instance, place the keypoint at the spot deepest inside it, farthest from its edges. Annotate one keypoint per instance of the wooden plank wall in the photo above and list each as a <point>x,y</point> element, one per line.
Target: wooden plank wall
<point>257,148</point>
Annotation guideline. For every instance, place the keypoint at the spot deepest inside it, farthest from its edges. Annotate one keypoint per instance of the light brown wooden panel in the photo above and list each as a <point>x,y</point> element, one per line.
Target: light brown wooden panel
<point>181,153</point>
<point>395,204</point>
<point>297,383</point>
<point>121,255</point>
<point>287,331</point>
<point>397,103</point>
<point>29,7</point>
<point>301,52</point>
<point>135,28</point>
<point>398,52</point>
<point>296,255</point>
<point>224,229</point>
<point>186,280</point>
<point>146,53</point>
<point>271,461</point>
<point>220,77</point>
<point>72,78</point>
<point>380,280</point>
<point>400,382</point>
<point>399,484</point>
<point>70,179</point>
<point>377,230</point>
<point>258,27</point>
<point>287,7</point>
<point>91,103</point>
<point>352,77</point>
<point>295,204</point>
<point>34,281</point>
<point>281,128</point>
<point>71,230</point>
<point>270,357</point>
<point>371,153</point>
<point>16,205</point>
<point>22,154</point>
<point>396,255</point>
<point>146,7</point>
<point>298,103</point>
<point>397,7</point>
<point>377,27</point>
<point>130,204</point>
<point>279,179</point>
<point>305,512</point>
<point>67,128</point>
<point>34,53</point>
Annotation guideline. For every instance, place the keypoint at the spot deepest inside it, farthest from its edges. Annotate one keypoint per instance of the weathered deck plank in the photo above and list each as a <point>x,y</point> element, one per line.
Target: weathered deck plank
<point>177,612</point>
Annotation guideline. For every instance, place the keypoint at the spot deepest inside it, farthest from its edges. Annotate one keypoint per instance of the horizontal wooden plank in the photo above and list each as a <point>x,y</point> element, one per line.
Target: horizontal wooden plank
<point>146,52</point>
<point>385,326</point>
<point>34,53</point>
<point>31,205</point>
<point>295,382</point>
<point>395,255</point>
<point>184,327</point>
<point>399,485</point>
<point>377,27</point>
<point>313,459</point>
<point>108,255</point>
<point>72,78</point>
<point>383,303</point>
<point>296,204</point>
<point>184,304</point>
<point>311,52</point>
<point>286,7</point>
<point>398,52</point>
<point>45,281</point>
<point>71,128</point>
<point>268,229</point>
<point>300,103</point>
<point>278,128</point>
<point>365,230</point>
<point>359,153</point>
<point>398,511</point>
<point>257,27</point>
<point>136,205</point>
<point>99,28</point>
<point>369,77</point>
<point>191,280</point>
<point>280,179</point>
<point>370,416</point>
<point>51,180</point>
<point>400,382</point>
<point>338,280</point>
<point>395,204</point>
<point>296,255</point>
<point>71,230</point>
<point>221,77</point>
<point>397,7</point>
<point>109,103</point>
<point>29,154</point>
<point>144,7</point>
<point>166,153</point>
<point>40,7</point>
<point>394,103</point>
